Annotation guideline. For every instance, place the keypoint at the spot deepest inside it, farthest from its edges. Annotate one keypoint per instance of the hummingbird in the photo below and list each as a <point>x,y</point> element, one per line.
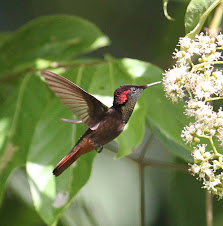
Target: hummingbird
<point>104,123</point>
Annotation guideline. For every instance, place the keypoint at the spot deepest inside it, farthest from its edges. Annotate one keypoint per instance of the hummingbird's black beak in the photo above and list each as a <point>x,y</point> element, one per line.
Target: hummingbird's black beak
<point>151,84</point>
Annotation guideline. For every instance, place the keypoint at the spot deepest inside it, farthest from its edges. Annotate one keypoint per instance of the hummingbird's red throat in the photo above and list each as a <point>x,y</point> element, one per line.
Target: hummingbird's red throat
<point>122,97</point>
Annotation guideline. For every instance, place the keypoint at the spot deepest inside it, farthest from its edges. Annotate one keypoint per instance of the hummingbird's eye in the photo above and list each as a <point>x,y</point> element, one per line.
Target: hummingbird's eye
<point>133,89</point>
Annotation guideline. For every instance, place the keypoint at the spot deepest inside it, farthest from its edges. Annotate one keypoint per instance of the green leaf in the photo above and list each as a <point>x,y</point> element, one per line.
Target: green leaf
<point>18,118</point>
<point>52,140</point>
<point>196,14</point>
<point>188,198</point>
<point>164,118</point>
<point>167,121</point>
<point>49,39</point>
<point>3,37</point>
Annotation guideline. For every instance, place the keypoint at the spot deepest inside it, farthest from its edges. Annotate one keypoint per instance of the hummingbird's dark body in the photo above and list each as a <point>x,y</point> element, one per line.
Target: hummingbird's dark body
<point>104,123</point>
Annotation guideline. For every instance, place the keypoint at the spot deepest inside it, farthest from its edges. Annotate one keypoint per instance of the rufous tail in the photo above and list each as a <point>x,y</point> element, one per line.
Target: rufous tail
<point>75,153</point>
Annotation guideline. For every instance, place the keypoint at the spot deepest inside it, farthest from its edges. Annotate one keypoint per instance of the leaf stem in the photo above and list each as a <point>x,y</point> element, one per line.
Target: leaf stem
<point>214,148</point>
<point>197,66</point>
<point>216,21</point>
<point>216,153</point>
<point>214,98</point>
<point>79,75</point>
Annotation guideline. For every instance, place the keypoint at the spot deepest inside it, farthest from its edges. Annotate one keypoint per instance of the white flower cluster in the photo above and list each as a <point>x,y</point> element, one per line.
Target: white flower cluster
<point>201,80</point>
<point>196,79</point>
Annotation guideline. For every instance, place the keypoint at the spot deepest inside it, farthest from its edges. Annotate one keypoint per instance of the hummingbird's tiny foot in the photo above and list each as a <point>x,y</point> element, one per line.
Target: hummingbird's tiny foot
<point>100,149</point>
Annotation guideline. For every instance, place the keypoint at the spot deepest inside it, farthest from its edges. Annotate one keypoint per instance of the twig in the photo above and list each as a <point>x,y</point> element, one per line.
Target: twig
<point>166,165</point>
<point>55,65</point>
<point>113,147</point>
<point>142,193</point>
<point>209,209</point>
<point>142,178</point>
<point>15,75</point>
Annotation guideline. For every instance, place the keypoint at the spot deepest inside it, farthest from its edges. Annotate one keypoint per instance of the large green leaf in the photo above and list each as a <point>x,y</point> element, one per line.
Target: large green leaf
<point>196,14</point>
<point>36,45</point>
<point>50,38</point>
<point>52,140</point>
<point>18,118</point>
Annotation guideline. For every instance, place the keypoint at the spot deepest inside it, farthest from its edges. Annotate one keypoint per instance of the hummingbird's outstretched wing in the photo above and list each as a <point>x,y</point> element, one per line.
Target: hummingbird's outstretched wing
<point>82,104</point>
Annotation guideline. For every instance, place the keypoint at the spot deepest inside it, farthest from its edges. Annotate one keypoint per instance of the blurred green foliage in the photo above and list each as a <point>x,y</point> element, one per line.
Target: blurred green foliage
<point>30,131</point>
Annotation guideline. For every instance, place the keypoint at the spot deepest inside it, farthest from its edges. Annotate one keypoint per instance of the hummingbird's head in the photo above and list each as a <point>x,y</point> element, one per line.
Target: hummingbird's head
<point>125,98</point>
<point>126,93</point>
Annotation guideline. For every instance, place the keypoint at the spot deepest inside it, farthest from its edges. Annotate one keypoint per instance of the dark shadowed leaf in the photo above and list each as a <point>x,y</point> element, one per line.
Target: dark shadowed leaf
<point>3,37</point>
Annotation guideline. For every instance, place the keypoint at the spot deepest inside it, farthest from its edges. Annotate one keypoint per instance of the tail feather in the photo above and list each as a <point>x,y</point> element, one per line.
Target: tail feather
<point>66,161</point>
<point>75,153</point>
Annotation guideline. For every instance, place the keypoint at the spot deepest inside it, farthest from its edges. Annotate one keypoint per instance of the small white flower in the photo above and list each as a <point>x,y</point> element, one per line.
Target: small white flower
<point>210,184</point>
<point>173,82</point>
<point>204,89</point>
<point>207,154</point>
<point>220,135</point>
<point>198,153</point>
<point>220,113</point>
<point>194,49</point>
<point>188,133</point>
<point>206,168</point>
<point>219,39</point>
<point>203,39</point>
<point>195,169</point>
<point>214,56</point>
<point>209,172</point>
<point>217,165</point>
<point>185,42</point>
<point>212,132</point>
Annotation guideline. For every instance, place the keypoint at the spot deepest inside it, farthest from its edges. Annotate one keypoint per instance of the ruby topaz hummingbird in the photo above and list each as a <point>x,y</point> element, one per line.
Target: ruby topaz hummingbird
<point>104,123</point>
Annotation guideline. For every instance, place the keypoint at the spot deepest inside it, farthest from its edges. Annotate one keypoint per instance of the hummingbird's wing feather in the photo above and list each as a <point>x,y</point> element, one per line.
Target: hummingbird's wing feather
<point>74,121</point>
<point>82,104</point>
